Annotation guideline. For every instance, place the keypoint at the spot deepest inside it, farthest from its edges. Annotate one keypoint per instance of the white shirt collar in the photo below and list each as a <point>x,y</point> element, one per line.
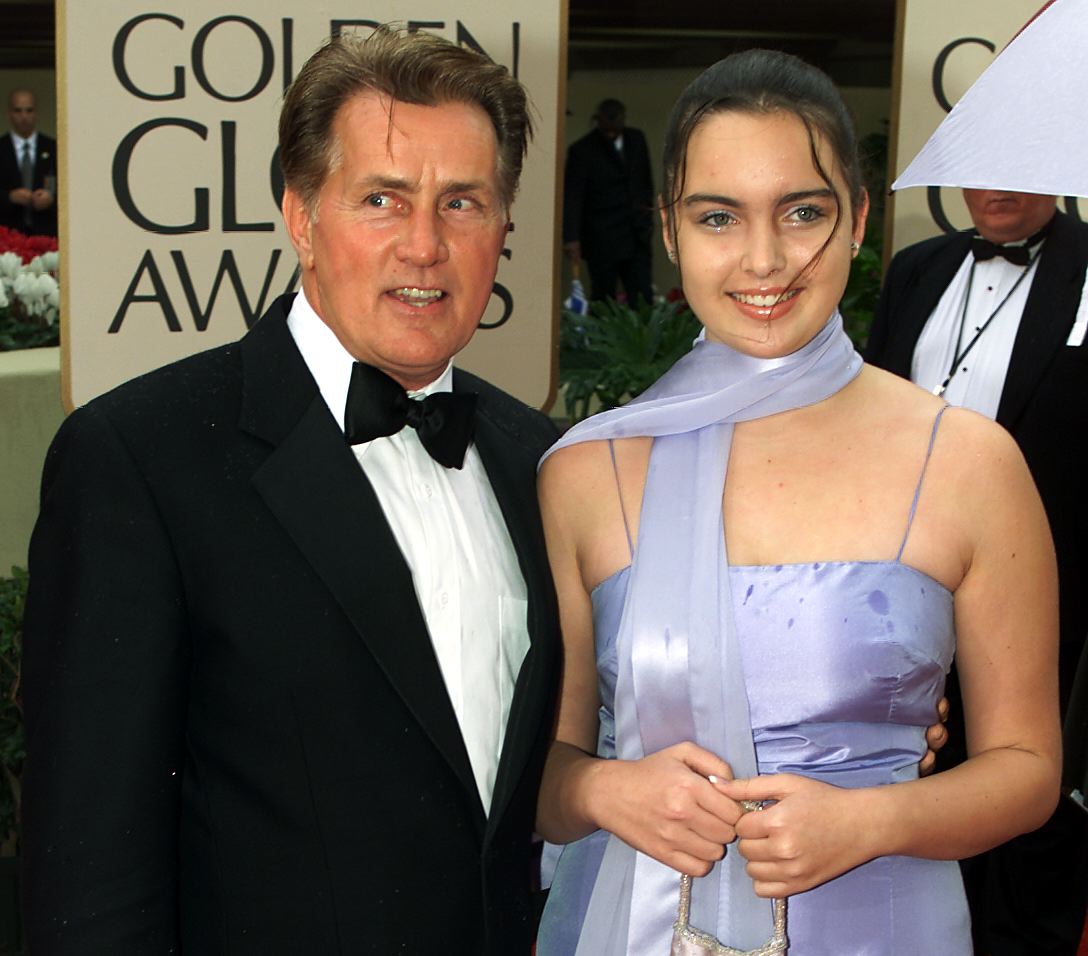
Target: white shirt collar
<point>330,363</point>
<point>19,140</point>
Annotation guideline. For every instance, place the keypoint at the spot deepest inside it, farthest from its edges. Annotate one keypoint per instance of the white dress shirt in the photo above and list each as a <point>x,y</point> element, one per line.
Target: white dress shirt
<point>980,376</point>
<point>456,544</point>
<point>18,142</point>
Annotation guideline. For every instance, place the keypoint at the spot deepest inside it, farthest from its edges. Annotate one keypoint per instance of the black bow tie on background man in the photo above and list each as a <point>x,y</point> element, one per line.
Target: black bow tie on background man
<point>378,406</point>
<point>1018,255</point>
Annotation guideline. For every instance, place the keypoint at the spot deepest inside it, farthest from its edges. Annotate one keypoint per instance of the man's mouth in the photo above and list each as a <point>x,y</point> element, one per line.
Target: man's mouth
<point>764,300</point>
<point>419,298</point>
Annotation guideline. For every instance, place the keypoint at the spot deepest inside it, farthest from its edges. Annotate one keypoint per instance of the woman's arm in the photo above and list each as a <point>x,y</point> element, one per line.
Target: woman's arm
<point>663,805</point>
<point>1006,624</point>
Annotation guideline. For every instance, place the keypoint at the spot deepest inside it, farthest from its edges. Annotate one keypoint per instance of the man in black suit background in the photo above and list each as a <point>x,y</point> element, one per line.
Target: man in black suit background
<point>289,666</point>
<point>28,170</point>
<point>995,319</point>
<point>608,202</point>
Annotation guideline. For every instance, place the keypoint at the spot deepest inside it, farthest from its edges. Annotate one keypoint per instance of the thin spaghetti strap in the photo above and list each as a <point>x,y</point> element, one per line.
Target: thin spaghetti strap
<point>921,478</point>
<point>619,494</point>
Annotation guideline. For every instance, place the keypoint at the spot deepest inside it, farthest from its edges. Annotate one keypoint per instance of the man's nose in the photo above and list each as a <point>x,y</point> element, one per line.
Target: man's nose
<point>422,239</point>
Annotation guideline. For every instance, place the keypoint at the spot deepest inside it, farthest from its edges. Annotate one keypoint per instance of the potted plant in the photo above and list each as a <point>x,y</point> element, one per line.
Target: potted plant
<point>12,751</point>
<point>614,352</point>
<point>29,294</point>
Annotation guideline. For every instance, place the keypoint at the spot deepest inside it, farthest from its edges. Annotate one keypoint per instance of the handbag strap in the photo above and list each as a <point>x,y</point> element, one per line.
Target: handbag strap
<point>710,945</point>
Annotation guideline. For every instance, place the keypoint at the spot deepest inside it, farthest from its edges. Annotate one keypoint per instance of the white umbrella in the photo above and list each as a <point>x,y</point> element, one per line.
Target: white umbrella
<point>1023,125</point>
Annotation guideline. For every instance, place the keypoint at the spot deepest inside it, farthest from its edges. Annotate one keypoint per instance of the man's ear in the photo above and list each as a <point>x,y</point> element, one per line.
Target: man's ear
<point>296,217</point>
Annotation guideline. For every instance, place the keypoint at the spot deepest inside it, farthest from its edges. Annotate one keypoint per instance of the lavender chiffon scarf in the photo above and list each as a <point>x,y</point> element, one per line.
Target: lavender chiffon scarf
<point>679,669</point>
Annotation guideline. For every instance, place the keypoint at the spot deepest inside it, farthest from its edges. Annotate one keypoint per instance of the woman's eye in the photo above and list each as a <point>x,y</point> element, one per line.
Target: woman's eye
<point>808,213</point>
<point>716,220</point>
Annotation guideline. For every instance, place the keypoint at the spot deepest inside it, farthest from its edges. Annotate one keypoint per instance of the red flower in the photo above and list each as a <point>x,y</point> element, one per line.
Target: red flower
<point>11,240</point>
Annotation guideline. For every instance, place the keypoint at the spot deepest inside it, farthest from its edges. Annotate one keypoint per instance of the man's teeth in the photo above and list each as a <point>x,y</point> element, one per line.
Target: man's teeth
<point>418,297</point>
<point>764,301</point>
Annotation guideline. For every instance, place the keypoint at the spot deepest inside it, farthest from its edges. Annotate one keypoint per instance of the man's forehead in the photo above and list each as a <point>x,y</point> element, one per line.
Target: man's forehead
<point>378,129</point>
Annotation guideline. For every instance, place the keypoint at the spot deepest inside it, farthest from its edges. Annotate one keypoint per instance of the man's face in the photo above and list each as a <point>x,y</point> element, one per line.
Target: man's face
<point>400,257</point>
<point>21,112</point>
<point>1006,216</point>
<point>611,126</point>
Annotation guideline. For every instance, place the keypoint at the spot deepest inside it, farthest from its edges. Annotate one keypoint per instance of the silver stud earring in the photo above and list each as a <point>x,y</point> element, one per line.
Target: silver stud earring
<point>854,247</point>
<point>672,256</point>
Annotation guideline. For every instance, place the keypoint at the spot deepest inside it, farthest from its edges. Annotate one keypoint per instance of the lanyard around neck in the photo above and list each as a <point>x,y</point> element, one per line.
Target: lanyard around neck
<point>958,355</point>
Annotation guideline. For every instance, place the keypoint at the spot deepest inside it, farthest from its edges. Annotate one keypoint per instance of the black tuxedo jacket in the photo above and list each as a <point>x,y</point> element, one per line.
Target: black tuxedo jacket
<point>42,223</point>
<point>1044,403</point>
<point>608,199</point>
<point>239,739</point>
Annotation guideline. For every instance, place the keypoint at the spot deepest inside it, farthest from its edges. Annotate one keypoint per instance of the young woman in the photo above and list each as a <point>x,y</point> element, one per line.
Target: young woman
<point>764,565</point>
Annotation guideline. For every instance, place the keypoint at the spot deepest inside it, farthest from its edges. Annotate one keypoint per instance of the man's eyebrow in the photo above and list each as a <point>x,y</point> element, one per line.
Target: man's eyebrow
<point>401,184</point>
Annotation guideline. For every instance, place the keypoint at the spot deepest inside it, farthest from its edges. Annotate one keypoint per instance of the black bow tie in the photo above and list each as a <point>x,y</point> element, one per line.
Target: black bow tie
<point>379,406</point>
<point>983,249</point>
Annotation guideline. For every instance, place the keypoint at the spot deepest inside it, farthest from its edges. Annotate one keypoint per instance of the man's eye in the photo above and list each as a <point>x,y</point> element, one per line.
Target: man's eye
<point>461,202</point>
<point>378,201</point>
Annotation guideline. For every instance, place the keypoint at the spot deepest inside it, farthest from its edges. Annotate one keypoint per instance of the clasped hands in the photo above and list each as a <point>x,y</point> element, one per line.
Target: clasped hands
<point>39,199</point>
<point>682,807</point>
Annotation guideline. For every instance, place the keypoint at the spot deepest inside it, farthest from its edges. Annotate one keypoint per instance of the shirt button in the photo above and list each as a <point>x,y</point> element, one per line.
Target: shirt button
<point>445,599</point>
<point>428,490</point>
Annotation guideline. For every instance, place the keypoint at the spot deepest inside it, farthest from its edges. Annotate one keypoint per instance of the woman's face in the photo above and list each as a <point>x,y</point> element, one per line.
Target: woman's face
<point>752,219</point>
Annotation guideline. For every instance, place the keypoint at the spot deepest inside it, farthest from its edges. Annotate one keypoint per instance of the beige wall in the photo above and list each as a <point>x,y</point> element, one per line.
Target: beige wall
<point>167,170</point>
<point>30,399</point>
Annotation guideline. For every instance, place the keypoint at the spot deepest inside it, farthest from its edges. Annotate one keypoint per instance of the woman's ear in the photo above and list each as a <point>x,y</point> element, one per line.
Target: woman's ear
<point>860,217</point>
<point>666,232</point>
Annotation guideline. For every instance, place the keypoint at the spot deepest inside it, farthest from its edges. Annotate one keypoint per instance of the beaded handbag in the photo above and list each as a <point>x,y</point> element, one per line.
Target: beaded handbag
<point>688,941</point>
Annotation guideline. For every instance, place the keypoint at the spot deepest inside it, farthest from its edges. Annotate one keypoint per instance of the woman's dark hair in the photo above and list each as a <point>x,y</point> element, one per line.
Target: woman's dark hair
<point>764,81</point>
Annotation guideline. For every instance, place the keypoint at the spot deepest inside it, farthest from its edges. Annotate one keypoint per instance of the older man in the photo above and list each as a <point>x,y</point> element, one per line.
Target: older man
<point>995,318</point>
<point>290,665</point>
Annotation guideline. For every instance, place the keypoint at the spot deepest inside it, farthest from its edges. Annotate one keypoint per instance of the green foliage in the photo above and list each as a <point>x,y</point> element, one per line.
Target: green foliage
<point>25,332</point>
<point>615,352</point>
<point>12,740</point>
<point>862,291</point>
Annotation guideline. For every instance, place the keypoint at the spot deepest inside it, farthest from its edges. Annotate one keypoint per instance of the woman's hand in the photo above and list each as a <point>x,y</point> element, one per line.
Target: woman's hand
<point>665,806</point>
<point>809,834</point>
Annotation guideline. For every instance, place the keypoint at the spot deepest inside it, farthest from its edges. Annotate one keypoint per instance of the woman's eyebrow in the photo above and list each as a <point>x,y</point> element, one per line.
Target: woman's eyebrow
<point>718,200</point>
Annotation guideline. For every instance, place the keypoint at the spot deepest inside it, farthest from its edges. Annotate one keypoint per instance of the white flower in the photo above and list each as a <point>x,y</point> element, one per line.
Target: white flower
<point>39,294</point>
<point>4,302</point>
<point>11,264</point>
<point>50,262</point>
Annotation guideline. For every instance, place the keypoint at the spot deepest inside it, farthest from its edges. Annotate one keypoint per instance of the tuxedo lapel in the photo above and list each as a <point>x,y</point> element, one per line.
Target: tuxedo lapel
<point>1048,316</point>
<point>919,297</point>
<point>510,472</point>
<point>315,488</point>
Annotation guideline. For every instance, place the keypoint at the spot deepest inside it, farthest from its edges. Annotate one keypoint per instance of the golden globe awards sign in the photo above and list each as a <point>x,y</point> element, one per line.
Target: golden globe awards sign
<point>944,48</point>
<point>171,237</point>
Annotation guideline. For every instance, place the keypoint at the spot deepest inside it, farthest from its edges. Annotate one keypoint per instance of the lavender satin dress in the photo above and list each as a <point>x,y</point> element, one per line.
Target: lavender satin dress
<point>844,663</point>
